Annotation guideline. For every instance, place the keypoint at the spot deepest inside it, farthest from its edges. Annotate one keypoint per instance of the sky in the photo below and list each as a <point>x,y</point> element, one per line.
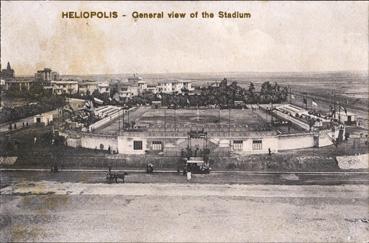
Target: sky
<point>279,37</point>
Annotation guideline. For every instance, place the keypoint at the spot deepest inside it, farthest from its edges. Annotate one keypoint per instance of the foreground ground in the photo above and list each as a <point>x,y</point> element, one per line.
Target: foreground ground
<point>52,211</point>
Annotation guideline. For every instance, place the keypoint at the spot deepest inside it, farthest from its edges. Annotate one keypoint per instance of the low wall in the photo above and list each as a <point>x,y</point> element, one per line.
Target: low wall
<point>295,141</point>
<point>102,142</point>
<point>124,144</point>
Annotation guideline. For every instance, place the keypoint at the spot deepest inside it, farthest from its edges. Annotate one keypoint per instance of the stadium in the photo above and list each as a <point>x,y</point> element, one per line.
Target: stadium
<point>255,129</point>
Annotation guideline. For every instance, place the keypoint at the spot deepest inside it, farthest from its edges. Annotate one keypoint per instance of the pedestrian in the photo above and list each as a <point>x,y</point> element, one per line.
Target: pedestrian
<point>34,140</point>
<point>109,149</point>
<point>269,152</point>
<point>23,124</point>
<point>15,125</point>
<point>10,126</point>
<point>26,124</point>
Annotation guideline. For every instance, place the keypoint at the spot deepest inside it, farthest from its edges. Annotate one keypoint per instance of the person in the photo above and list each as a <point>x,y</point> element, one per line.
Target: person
<point>26,124</point>
<point>34,140</point>
<point>15,125</point>
<point>23,124</point>
<point>109,149</point>
<point>10,126</point>
<point>269,152</point>
<point>149,168</point>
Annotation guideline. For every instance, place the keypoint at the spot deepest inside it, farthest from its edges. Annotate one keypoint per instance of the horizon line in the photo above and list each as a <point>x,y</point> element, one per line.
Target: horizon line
<point>223,72</point>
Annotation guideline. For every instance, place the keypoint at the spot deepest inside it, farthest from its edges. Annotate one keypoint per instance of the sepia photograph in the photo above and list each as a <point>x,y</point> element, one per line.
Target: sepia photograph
<point>184,121</point>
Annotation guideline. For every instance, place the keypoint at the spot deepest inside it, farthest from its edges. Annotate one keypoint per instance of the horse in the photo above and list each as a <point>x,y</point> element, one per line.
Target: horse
<point>115,176</point>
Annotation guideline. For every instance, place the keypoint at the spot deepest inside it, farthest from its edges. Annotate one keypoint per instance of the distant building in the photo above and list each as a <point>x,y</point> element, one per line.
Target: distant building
<point>8,73</point>
<point>174,86</point>
<point>103,88</point>
<point>165,87</point>
<point>128,92</point>
<point>133,80</point>
<point>152,88</point>
<point>44,118</point>
<point>142,86</point>
<point>64,87</point>
<point>46,75</point>
<point>87,87</point>
<point>21,85</point>
<point>347,118</point>
<point>55,76</point>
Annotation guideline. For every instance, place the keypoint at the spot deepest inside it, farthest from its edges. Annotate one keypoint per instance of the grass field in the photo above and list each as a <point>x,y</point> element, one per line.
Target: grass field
<point>183,120</point>
<point>211,118</point>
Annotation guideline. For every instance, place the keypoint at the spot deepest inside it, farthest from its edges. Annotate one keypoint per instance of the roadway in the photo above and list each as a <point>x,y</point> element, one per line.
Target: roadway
<point>13,176</point>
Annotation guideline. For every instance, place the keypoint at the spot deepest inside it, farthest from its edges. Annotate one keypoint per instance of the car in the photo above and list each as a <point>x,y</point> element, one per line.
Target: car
<point>196,165</point>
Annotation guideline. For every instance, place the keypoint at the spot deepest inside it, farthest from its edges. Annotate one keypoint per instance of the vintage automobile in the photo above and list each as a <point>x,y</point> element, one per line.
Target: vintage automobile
<point>196,165</point>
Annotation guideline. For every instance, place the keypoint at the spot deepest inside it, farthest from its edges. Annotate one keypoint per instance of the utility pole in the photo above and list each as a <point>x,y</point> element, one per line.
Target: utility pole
<point>175,119</point>
<point>165,122</point>
<point>128,118</point>
<point>119,121</point>
<point>219,121</point>
<point>229,121</point>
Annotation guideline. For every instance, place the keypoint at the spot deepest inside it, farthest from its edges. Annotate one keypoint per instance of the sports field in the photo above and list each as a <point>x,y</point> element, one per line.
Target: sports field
<point>236,120</point>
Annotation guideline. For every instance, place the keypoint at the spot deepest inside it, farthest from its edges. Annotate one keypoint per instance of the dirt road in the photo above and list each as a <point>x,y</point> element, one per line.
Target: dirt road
<point>53,211</point>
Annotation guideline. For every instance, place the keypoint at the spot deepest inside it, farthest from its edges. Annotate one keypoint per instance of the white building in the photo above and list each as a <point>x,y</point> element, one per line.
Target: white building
<point>128,92</point>
<point>87,87</point>
<point>64,87</point>
<point>44,118</point>
<point>142,86</point>
<point>152,88</point>
<point>348,118</point>
<point>103,88</point>
<point>133,80</point>
<point>165,87</point>
<point>174,86</point>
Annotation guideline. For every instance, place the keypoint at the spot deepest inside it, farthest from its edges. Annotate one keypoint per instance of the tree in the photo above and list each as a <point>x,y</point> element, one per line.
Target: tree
<point>251,88</point>
<point>36,90</point>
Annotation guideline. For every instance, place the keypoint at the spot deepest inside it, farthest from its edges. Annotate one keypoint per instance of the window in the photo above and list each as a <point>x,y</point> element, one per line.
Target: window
<point>237,144</point>
<point>137,145</point>
<point>257,144</point>
<point>157,145</point>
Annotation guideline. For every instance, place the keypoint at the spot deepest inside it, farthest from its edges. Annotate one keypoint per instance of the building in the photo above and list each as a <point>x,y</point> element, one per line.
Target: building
<point>87,87</point>
<point>21,85</point>
<point>8,73</point>
<point>165,87</point>
<point>103,88</point>
<point>128,92</point>
<point>55,76</point>
<point>174,86</point>
<point>44,118</point>
<point>347,118</point>
<point>64,87</point>
<point>133,80</point>
<point>46,75</point>
<point>152,88</point>
<point>142,86</point>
